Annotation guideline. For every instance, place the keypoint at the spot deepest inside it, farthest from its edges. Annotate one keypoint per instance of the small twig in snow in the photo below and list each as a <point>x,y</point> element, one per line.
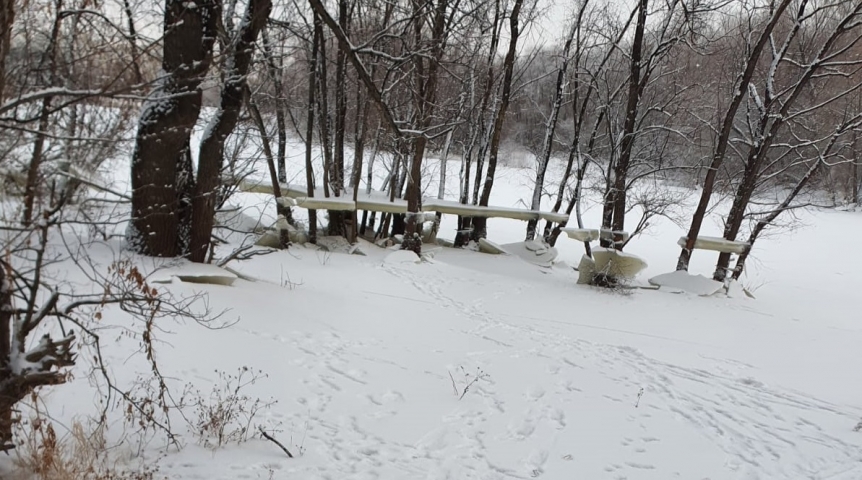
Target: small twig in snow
<point>273,440</point>
<point>454,387</point>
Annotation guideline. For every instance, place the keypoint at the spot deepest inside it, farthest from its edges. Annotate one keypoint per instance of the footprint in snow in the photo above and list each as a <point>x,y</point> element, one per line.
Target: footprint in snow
<point>535,393</point>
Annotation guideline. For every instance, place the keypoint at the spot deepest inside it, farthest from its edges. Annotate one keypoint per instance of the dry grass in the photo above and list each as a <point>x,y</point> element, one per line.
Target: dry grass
<point>81,454</point>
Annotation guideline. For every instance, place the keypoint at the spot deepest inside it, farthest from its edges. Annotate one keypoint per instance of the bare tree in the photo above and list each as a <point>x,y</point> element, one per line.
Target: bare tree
<point>740,88</point>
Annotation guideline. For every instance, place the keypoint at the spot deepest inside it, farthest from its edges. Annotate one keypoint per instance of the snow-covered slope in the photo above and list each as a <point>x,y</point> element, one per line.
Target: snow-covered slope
<point>368,360</point>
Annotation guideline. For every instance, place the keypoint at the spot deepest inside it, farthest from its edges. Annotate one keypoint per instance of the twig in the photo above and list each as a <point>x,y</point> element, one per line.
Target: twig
<point>454,387</point>
<point>273,440</point>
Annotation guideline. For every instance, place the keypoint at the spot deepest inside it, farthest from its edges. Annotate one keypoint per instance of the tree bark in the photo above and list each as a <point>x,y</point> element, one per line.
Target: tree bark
<point>7,20</point>
<point>166,122</point>
<point>309,126</point>
<point>211,154</point>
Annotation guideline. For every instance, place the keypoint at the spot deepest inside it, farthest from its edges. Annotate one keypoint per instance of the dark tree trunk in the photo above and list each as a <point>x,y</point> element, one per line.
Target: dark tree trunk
<point>619,188</point>
<point>49,62</point>
<point>480,223</point>
<point>274,71</point>
<point>166,123</point>
<point>6,309</point>
<point>7,19</point>
<point>280,208</point>
<point>768,130</point>
<point>211,154</point>
<point>550,130</point>
<point>741,89</point>
<point>309,126</point>
<point>359,133</point>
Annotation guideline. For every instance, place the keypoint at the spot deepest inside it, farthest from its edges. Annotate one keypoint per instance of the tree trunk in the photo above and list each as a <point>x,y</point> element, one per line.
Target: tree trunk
<point>427,76</point>
<point>359,133</point>
<point>338,219</point>
<point>6,309</point>
<point>309,127</point>
<point>619,188</point>
<point>211,154</point>
<point>274,71</point>
<point>7,20</point>
<point>49,62</point>
<point>550,130</point>
<point>741,88</point>
<point>280,208</point>
<point>166,122</point>
<point>480,223</point>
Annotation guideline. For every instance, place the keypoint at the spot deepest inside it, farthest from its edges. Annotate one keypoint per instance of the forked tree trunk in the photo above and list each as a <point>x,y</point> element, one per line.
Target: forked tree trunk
<point>772,122</point>
<point>741,89</point>
<point>166,122</point>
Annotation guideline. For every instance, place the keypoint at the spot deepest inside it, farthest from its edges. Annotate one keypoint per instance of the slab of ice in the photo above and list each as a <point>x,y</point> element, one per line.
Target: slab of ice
<point>586,270</point>
<point>194,273</point>
<point>716,244</point>
<point>402,257</point>
<point>682,280</point>
<point>609,235</point>
<point>582,234</point>
<point>533,251</point>
<point>486,246</point>
<point>322,203</point>
<point>617,264</point>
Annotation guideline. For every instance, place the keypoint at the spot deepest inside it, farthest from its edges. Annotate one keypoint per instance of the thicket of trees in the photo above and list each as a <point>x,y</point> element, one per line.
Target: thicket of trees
<point>755,102</point>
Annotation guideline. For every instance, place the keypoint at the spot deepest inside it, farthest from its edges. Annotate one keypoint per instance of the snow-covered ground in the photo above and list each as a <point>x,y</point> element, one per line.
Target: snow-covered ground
<point>368,358</point>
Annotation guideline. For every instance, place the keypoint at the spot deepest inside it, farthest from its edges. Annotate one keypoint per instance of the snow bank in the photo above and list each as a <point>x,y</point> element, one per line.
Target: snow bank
<point>684,281</point>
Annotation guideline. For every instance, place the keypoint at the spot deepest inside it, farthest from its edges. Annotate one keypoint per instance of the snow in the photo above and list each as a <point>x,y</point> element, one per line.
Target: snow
<point>360,363</point>
<point>686,282</point>
<point>362,353</point>
<point>717,244</point>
